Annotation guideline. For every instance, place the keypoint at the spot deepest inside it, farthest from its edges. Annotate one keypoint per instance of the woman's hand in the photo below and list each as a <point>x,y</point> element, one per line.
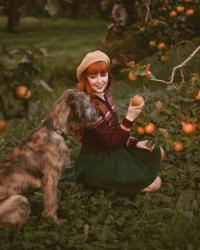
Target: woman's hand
<point>133,111</point>
<point>144,145</point>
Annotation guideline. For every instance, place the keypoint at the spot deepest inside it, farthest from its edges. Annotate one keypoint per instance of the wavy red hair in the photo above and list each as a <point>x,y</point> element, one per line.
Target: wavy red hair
<point>94,68</point>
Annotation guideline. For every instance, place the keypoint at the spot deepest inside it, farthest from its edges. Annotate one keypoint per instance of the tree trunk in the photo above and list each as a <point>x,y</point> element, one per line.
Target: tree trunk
<point>52,7</point>
<point>13,12</point>
<point>74,9</point>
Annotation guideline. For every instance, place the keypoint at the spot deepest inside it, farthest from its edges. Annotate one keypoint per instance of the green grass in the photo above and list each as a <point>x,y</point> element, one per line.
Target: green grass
<point>96,219</point>
<point>66,40</point>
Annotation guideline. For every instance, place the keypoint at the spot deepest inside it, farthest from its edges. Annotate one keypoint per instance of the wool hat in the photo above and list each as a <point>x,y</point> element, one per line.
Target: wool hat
<point>92,57</point>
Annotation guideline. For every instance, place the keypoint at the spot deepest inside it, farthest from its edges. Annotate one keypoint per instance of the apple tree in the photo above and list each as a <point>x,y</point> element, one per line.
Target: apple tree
<point>22,72</point>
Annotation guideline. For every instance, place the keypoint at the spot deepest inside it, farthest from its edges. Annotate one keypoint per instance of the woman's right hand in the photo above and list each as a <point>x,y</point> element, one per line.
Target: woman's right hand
<point>134,111</point>
<point>144,145</point>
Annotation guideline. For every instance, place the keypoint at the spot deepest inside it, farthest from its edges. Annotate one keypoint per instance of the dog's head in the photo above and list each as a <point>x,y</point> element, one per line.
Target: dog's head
<point>73,109</point>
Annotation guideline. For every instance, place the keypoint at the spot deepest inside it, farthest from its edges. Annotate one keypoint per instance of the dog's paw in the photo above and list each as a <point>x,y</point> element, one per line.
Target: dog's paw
<point>54,217</point>
<point>59,221</point>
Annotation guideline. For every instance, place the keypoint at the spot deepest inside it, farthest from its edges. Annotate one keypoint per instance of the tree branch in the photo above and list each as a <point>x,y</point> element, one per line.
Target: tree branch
<point>148,14</point>
<point>178,67</point>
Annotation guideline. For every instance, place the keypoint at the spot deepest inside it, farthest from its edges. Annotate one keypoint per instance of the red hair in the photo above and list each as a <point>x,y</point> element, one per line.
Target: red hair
<point>93,69</point>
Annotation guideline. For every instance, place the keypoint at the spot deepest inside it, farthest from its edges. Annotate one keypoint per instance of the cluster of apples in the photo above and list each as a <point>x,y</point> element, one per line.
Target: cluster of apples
<point>161,46</point>
<point>137,70</point>
<point>181,9</point>
<point>23,93</point>
<point>149,128</point>
<point>154,23</point>
<point>188,127</point>
<point>184,8</point>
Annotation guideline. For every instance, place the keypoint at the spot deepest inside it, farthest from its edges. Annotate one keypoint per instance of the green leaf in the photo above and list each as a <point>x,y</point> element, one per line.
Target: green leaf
<point>44,51</point>
<point>26,59</point>
<point>170,88</point>
<point>42,83</point>
<point>186,99</point>
<point>184,202</point>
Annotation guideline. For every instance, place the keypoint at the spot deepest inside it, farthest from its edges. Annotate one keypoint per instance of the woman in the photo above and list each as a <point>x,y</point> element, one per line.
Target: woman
<point>110,158</point>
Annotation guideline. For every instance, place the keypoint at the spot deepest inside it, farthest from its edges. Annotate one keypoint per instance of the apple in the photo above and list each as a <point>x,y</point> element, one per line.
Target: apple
<point>162,46</point>
<point>197,97</point>
<point>188,127</point>
<point>132,76</point>
<point>152,44</point>
<point>23,92</point>
<point>189,12</point>
<point>178,146</point>
<point>137,100</point>
<point>164,58</point>
<point>3,125</point>
<point>155,22</point>
<point>140,130</point>
<point>173,13</point>
<point>180,8</point>
<point>150,128</point>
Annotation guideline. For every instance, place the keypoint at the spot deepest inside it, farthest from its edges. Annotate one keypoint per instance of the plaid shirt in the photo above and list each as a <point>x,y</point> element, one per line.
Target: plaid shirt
<point>106,133</point>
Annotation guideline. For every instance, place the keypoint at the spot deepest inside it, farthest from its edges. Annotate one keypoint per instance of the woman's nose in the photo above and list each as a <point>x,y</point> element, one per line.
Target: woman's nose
<point>99,78</point>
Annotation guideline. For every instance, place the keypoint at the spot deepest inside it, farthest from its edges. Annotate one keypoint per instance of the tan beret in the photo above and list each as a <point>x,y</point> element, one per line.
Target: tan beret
<point>92,57</point>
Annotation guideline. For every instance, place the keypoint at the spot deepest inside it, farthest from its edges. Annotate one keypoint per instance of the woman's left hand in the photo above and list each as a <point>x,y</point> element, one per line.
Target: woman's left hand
<point>134,111</point>
<point>143,144</point>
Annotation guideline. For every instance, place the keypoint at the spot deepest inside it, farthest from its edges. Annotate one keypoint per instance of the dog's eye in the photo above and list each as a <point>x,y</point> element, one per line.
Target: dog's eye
<point>71,100</point>
<point>71,97</point>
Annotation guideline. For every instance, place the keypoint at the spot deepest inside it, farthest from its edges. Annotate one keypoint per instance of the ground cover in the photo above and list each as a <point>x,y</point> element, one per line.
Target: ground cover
<point>97,219</point>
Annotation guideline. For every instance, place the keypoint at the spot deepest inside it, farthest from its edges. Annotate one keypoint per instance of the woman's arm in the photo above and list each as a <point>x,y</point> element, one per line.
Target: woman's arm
<point>114,138</point>
<point>121,135</point>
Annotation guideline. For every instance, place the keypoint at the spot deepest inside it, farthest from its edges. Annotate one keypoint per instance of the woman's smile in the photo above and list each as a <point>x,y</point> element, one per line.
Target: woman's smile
<point>98,82</point>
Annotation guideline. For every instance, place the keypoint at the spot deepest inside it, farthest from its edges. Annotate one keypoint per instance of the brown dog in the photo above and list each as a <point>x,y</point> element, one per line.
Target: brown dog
<point>38,161</point>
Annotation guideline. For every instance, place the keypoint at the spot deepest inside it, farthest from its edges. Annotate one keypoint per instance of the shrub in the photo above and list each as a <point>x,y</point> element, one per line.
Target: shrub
<point>21,75</point>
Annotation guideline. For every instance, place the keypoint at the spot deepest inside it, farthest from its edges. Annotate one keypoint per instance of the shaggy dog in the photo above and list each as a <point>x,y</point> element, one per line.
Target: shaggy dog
<point>38,161</point>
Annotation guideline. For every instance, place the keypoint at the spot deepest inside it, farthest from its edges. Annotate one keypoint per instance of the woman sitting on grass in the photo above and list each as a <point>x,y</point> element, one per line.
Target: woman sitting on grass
<point>110,158</point>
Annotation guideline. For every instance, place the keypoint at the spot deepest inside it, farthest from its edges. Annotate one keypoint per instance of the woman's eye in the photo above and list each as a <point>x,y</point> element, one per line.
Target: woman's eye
<point>103,75</point>
<point>92,76</point>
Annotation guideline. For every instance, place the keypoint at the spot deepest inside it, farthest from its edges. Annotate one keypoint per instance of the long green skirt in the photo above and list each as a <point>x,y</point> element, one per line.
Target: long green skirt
<point>125,170</point>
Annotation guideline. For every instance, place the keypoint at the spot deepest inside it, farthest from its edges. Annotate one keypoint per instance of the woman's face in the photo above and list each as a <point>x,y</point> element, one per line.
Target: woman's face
<point>98,81</point>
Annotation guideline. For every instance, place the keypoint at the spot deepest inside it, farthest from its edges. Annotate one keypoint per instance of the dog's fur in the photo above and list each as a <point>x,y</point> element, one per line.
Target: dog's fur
<point>38,161</point>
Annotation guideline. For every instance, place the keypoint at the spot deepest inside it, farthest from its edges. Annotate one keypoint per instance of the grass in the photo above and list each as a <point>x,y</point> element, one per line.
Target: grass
<point>66,40</point>
<point>96,219</point>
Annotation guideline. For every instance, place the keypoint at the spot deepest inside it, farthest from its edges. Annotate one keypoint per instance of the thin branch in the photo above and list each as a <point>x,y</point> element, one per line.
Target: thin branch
<point>180,59</point>
<point>159,80</point>
<point>148,14</point>
<point>167,26</point>
<point>178,67</point>
<point>183,63</point>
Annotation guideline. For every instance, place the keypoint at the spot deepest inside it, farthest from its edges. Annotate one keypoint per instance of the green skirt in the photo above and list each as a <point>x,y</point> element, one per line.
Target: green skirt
<point>124,170</point>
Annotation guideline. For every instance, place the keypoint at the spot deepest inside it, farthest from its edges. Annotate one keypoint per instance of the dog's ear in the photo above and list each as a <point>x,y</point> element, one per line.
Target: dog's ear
<point>71,100</point>
<point>57,117</point>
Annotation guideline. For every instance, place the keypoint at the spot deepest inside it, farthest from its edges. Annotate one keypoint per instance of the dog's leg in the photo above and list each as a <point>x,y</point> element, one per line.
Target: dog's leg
<point>15,210</point>
<point>50,183</point>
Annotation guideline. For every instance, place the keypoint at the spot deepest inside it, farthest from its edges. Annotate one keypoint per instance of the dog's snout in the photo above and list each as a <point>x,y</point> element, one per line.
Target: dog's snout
<point>92,115</point>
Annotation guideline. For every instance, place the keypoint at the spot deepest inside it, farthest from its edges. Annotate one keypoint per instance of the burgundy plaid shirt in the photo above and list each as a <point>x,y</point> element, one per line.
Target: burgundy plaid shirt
<point>107,133</point>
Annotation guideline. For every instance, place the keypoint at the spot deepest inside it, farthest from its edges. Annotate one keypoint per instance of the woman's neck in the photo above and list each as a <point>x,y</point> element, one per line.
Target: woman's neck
<point>101,95</point>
